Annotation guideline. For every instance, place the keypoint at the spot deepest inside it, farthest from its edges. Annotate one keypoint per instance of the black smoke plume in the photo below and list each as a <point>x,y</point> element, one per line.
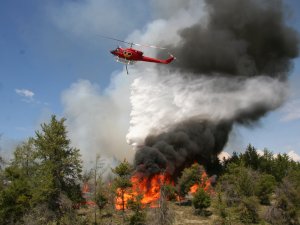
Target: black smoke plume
<point>241,39</point>
<point>188,142</point>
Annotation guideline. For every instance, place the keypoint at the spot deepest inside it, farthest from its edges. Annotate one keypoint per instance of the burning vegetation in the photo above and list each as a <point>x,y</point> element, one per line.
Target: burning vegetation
<point>150,188</point>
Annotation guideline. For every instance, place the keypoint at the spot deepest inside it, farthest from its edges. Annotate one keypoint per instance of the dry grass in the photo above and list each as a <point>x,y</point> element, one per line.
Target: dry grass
<point>184,215</point>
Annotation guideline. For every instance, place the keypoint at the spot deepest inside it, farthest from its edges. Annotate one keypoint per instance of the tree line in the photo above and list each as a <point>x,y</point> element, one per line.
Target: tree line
<point>41,184</point>
<point>259,188</point>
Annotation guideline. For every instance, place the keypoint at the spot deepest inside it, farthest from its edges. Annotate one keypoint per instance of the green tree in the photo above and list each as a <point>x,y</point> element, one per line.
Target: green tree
<point>139,215</point>
<point>101,196</point>
<point>237,182</point>
<point>201,201</point>
<point>170,192</point>
<point>286,209</point>
<point>251,157</point>
<point>44,170</point>
<point>24,158</point>
<point>282,165</point>
<point>122,181</point>
<point>14,200</point>
<point>59,166</point>
<point>101,199</point>
<point>248,210</point>
<point>265,187</point>
<point>221,206</point>
<point>267,162</point>
<point>235,158</point>
<point>16,197</point>
<point>287,199</point>
<point>189,177</point>
<point>215,167</point>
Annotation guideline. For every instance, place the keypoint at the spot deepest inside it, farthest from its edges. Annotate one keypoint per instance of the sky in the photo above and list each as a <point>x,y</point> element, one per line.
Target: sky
<point>49,47</point>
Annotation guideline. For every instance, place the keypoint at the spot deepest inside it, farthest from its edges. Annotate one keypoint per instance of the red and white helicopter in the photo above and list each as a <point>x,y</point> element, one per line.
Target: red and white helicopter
<point>129,56</point>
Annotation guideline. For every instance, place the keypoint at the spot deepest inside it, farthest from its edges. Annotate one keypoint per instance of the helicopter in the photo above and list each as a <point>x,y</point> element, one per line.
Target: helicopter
<point>129,56</point>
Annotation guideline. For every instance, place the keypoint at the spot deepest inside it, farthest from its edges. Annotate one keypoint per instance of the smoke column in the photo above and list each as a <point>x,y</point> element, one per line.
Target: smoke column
<point>233,60</point>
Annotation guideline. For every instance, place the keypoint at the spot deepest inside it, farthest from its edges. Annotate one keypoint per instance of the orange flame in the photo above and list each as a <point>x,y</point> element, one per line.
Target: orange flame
<point>148,187</point>
<point>85,188</point>
<point>87,195</point>
<point>205,183</point>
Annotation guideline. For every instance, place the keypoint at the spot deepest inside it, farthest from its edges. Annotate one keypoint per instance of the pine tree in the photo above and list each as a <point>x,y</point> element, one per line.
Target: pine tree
<point>59,168</point>
<point>201,201</point>
<point>265,187</point>
<point>139,214</point>
<point>24,158</point>
<point>122,182</point>
<point>16,196</point>
<point>251,157</point>
<point>190,176</point>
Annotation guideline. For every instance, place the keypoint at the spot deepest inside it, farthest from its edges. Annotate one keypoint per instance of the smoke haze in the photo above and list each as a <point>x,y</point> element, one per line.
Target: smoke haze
<point>98,119</point>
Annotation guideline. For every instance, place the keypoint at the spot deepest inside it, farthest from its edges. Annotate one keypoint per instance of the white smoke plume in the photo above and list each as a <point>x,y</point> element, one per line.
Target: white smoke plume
<point>98,120</point>
<point>158,102</point>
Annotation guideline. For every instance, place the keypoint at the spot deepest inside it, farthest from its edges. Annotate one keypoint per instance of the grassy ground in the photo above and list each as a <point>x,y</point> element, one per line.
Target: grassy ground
<point>183,215</point>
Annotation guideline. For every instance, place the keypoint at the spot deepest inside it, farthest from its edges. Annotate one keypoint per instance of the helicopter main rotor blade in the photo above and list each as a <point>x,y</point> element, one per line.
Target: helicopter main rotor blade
<point>150,46</point>
<point>131,43</point>
<point>116,39</point>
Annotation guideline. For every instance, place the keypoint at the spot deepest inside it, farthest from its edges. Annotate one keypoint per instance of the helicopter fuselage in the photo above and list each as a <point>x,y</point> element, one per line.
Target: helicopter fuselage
<point>131,55</point>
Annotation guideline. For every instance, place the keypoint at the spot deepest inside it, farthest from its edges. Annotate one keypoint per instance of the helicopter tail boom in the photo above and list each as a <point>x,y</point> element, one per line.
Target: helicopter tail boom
<point>167,61</point>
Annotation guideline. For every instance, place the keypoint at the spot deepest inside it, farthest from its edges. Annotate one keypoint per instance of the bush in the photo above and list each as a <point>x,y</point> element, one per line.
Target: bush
<point>169,191</point>
<point>190,176</point>
<point>275,216</point>
<point>201,201</point>
<point>238,182</point>
<point>264,188</point>
<point>139,216</point>
<point>221,207</point>
<point>101,200</point>
<point>248,211</point>
<point>286,208</point>
<point>39,214</point>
